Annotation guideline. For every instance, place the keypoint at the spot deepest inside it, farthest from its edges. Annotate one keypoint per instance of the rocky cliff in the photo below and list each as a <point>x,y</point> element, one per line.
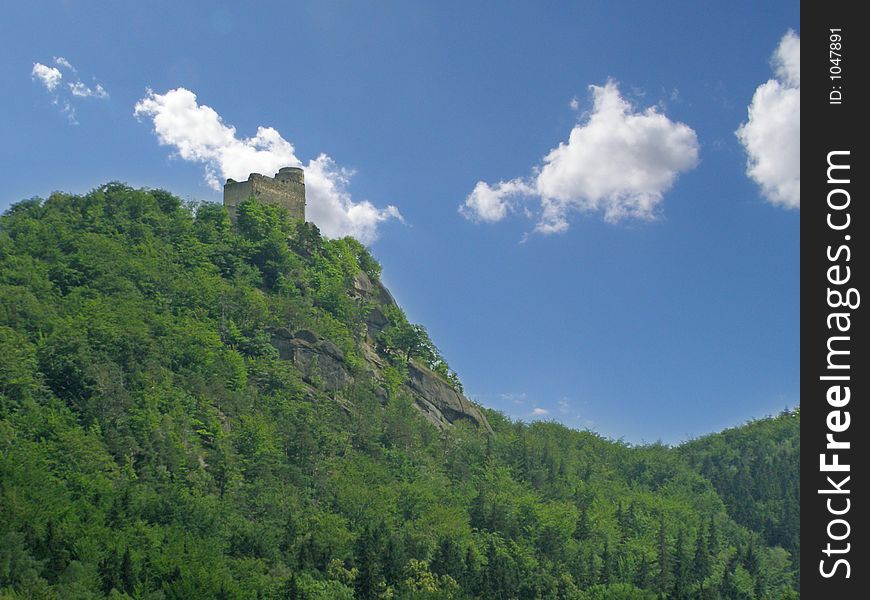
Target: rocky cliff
<point>323,364</point>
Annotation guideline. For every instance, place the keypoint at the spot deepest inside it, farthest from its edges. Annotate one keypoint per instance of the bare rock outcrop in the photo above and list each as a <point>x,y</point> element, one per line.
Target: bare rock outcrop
<point>438,401</point>
<point>323,366</point>
<point>320,361</point>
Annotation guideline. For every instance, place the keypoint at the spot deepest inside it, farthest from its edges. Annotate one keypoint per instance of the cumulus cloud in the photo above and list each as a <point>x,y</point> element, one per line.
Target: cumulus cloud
<point>62,62</point>
<point>540,412</point>
<point>771,136</point>
<point>80,90</point>
<point>51,79</point>
<point>198,134</point>
<point>618,162</point>
<point>489,204</point>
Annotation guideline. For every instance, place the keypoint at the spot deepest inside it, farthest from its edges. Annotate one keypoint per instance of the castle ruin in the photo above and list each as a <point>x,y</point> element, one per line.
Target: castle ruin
<point>286,189</point>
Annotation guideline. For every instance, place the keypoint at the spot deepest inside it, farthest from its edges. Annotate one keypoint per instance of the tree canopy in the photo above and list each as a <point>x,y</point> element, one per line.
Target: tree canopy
<point>154,445</point>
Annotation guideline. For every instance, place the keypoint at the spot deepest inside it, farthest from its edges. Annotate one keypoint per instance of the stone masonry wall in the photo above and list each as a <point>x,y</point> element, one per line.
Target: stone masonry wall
<point>289,193</point>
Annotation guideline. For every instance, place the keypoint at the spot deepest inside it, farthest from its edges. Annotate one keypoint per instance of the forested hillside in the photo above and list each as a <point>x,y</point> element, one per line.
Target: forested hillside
<point>191,409</point>
<point>756,471</point>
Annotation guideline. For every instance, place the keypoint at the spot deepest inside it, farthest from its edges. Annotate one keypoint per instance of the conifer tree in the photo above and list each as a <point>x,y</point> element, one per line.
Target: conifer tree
<point>471,574</point>
<point>642,574</point>
<point>393,556</point>
<point>664,560</point>
<point>290,590</point>
<point>368,563</point>
<point>582,528</point>
<point>448,559</point>
<point>606,565</point>
<point>700,561</point>
<point>712,539</point>
<point>53,550</point>
<point>681,570</point>
<point>128,577</point>
<point>477,510</point>
<point>728,586</point>
<point>110,571</point>
<point>581,570</point>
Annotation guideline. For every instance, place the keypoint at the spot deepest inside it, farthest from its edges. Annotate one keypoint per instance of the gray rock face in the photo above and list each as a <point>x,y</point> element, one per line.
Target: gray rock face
<point>439,402</point>
<point>320,361</point>
<point>322,364</point>
<point>362,285</point>
<point>380,296</point>
<point>376,322</point>
<point>383,295</point>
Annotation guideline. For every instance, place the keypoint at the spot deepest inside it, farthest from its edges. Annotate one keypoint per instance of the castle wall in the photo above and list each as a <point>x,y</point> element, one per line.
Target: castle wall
<point>234,193</point>
<point>288,191</point>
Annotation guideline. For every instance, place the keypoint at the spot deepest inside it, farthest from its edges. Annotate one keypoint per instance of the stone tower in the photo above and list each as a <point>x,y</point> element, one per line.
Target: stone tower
<point>286,189</point>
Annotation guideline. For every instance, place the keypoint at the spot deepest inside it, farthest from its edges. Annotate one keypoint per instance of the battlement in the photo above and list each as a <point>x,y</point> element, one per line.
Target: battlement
<point>286,189</point>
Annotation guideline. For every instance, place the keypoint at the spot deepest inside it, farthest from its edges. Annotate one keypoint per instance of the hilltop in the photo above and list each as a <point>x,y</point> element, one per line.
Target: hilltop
<point>193,409</point>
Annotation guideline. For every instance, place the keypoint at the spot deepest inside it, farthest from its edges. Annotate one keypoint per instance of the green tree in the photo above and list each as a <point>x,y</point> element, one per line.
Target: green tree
<point>160,436</point>
<point>701,561</point>
<point>369,580</point>
<point>607,566</point>
<point>681,567</point>
<point>664,560</point>
<point>582,528</point>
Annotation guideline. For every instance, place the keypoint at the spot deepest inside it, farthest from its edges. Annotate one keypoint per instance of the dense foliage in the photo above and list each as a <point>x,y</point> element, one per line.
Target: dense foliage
<point>154,445</point>
<point>756,470</point>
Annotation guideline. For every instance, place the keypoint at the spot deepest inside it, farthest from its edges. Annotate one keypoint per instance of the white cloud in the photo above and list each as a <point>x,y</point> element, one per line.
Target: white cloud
<point>80,90</point>
<point>617,161</point>
<point>62,62</point>
<point>199,134</point>
<point>787,59</point>
<point>63,97</point>
<point>540,412</point>
<point>491,203</point>
<point>771,136</point>
<point>49,76</point>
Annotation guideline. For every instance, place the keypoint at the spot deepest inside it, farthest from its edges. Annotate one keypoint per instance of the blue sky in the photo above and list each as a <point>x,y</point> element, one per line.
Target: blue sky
<point>636,281</point>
